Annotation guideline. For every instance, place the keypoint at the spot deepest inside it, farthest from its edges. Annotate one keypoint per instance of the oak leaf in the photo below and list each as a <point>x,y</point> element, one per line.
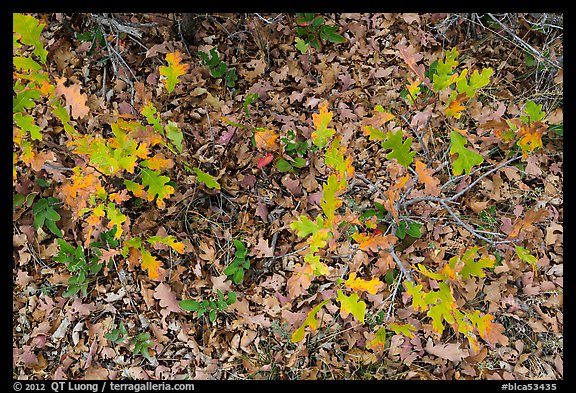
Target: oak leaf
<point>359,284</point>
<point>401,151</point>
<point>169,240</point>
<point>75,100</point>
<point>351,305</point>
<point>466,157</point>
<point>378,119</point>
<point>329,202</point>
<point>335,158</point>
<point>300,280</point>
<point>411,57</point>
<point>405,329</point>
<point>174,70</point>
<point>310,321</point>
<point>426,177</point>
<point>454,109</point>
<point>489,331</point>
<point>321,120</point>
<point>206,178</point>
<point>379,339</point>
<point>449,351</point>
<point>207,252</point>
<point>267,159</point>
<point>530,137</point>
<point>157,187</point>
<point>167,298</point>
<point>266,140</point>
<point>374,242</point>
<point>150,263</point>
<point>262,249</point>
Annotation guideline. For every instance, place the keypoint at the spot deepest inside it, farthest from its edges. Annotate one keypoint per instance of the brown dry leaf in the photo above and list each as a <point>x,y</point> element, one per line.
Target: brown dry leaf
<point>426,177</point>
<point>532,216</point>
<point>262,211</point>
<point>167,298</point>
<point>221,283</point>
<point>446,351</point>
<point>207,252</point>
<point>477,206</point>
<point>75,100</point>
<point>96,373</point>
<point>262,249</point>
<point>378,119</point>
<point>258,65</point>
<point>300,280</point>
<point>292,185</point>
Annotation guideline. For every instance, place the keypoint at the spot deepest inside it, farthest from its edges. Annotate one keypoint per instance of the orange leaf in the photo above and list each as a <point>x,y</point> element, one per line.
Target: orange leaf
<point>530,138</point>
<point>265,140</point>
<point>425,176</point>
<point>158,161</point>
<point>454,109</point>
<point>393,193</point>
<point>373,243</point>
<point>300,280</point>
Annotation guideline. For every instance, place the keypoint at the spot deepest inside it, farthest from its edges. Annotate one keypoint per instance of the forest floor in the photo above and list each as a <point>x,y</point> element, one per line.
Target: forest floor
<point>130,323</point>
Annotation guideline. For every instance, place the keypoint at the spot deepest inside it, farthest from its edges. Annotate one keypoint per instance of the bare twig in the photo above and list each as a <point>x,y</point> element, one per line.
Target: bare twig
<point>114,24</point>
<point>407,272</point>
<point>483,176</point>
<point>420,140</point>
<point>393,296</point>
<point>523,43</point>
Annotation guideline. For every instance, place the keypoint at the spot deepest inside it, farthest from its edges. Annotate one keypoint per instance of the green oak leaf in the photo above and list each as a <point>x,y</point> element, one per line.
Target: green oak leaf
<point>157,185</point>
<point>400,150</point>
<point>351,305</point>
<point>466,158</point>
<point>305,226</point>
<point>207,179</point>
<point>175,135</point>
<point>474,268</point>
<point>534,112</point>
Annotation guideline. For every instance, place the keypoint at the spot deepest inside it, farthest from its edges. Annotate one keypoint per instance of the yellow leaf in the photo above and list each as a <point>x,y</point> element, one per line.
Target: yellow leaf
<point>174,70</point>
<point>150,263</point>
<point>158,161</point>
<point>362,285</point>
<point>321,121</point>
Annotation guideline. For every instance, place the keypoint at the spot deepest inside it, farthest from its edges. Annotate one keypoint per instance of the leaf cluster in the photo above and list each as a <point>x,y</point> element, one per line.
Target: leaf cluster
<point>218,68</point>
<point>313,31</point>
<point>209,306</point>
<point>236,269</point>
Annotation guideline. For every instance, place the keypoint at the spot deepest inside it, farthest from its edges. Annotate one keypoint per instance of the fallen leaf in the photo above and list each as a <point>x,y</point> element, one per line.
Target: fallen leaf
<point>446,351</point>
<point>267,159</point>
<point>207,252</point>
<point>262,211</point>
<point>292,185</point>
<point>75,100</point>
<point>167,298</point>
<point>262,249</point>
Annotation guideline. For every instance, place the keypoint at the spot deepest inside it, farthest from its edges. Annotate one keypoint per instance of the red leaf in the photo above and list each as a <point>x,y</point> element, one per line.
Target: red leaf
<point>267,159</point>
